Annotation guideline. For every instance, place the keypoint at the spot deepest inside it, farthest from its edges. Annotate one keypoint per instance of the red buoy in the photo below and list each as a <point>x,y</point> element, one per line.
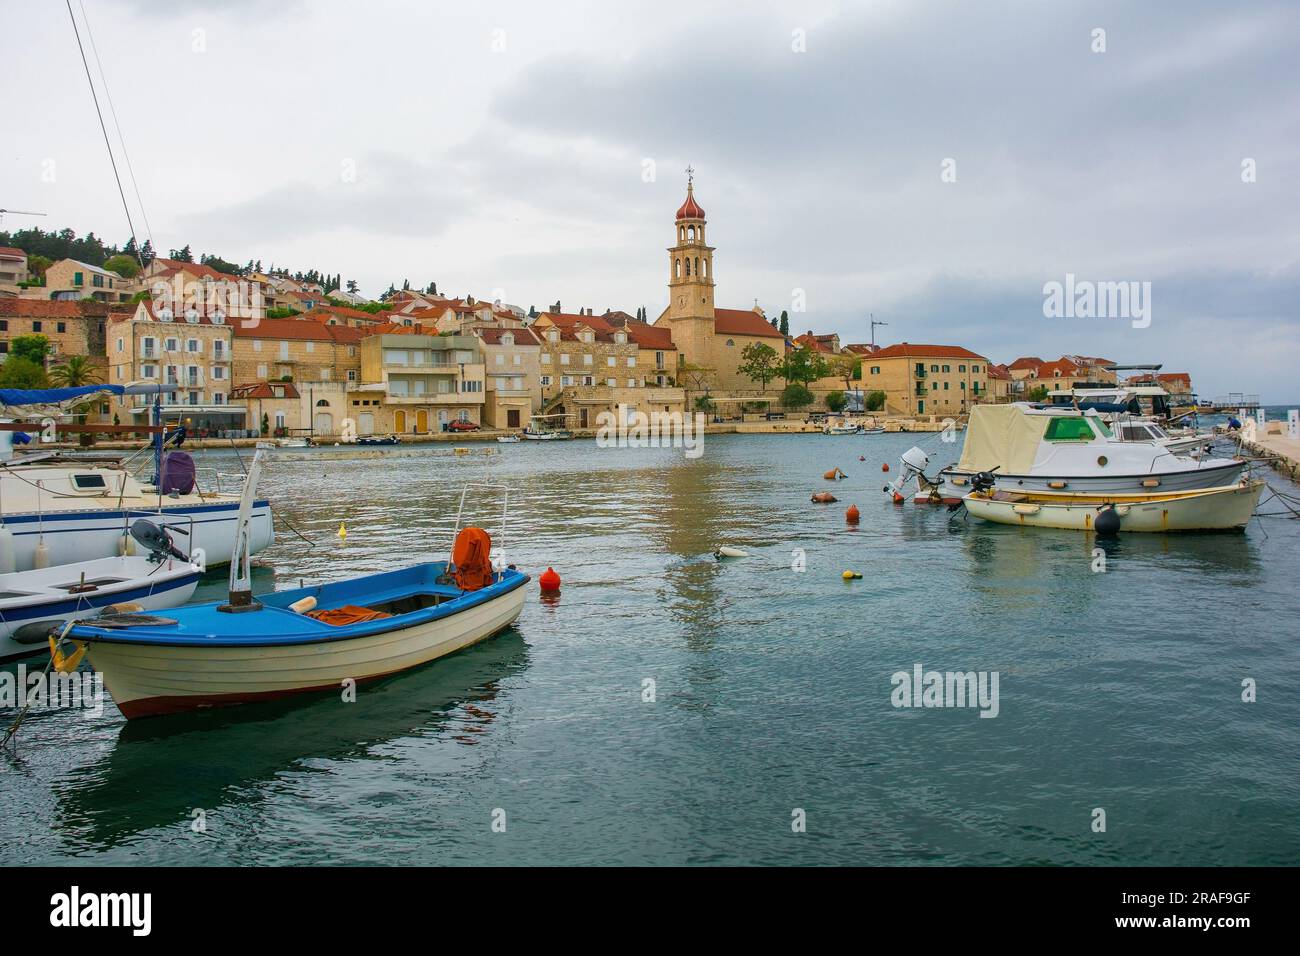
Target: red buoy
<point>898,499</point>
<point>852,515</point>
<point>549,580</point>
<point>885,467</point>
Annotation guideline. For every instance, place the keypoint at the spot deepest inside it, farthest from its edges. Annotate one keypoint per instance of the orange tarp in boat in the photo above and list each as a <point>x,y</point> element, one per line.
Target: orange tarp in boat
<point>348,614</point>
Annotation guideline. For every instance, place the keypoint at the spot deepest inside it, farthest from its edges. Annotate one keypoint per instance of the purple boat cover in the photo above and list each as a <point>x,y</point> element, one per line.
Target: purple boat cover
<point>177,473</point>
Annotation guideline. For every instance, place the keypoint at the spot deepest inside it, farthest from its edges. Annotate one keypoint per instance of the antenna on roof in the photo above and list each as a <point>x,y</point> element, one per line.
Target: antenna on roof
<point>17,212</point>
<point>874,323</point>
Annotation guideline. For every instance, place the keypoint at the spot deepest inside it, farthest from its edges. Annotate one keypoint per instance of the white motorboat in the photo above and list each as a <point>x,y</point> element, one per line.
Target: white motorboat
<point>1031,448</point>
<point>507,439</point>
<point>57,509</point>
<point>540,429</point>
<point>1205,509</point>
<point>844,429</point>
<point>34,602</point>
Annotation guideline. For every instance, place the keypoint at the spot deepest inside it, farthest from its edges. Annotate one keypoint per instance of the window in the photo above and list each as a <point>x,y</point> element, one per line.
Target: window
<point>218,372</point>
<point>78,279</point>
<point>218,398</point>
<point>36,326</point>
<point>586,358</point>
<point>148,371</point>
<point>218,349</point>
<point>121,345</point>
<point>631,361</point>
<point>611,382</point>
<point>311,347</point>
<point>60,326</point>
<point>948,368</point>
<point>172,345</point>
<point>89,481</point>
<point>564,358</point>
<point>518,359</point>
<point>546,358</point>
<point>352,375</point>
<point>4,327</point>
<point>610,361</point>
<point>934,368</point>
<point>257,345</point>
<point>960,368</point>
<point>192,345</point>
<point>875,370</point>
<point>731,343</point>
<point>500,359</point>
<point>261,371</point>
<point>1068,429</point>
<point>631,383</point>
<point>284,351</point>
<point>546,380</point>
<point>566,379</point>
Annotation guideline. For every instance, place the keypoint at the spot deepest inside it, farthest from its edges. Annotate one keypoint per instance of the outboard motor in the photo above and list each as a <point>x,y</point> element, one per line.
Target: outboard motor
<point>156,541</point>
<point>913,463</point>
<point>983,481</point>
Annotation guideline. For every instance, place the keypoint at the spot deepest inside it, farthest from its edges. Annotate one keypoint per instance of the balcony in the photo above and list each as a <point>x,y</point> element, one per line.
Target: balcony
<point>919,371</point>
<point>920,389</point>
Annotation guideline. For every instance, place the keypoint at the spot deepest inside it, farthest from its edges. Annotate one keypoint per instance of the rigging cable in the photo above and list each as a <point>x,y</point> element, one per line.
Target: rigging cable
<point>108,95</point>
<point>111,158</point>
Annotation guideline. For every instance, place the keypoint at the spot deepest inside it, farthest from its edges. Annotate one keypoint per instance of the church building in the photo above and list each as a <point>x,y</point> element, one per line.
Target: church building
<point>705,336</point>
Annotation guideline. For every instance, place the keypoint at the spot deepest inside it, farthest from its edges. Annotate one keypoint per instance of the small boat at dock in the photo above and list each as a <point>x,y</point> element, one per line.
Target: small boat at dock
<point>34,602</point>
<point>1207,509</point>
<point>301,640</point>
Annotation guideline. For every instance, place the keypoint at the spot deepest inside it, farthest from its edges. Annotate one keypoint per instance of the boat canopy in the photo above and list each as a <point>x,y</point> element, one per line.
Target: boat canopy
<point>27,402</point>
<point>1002,436</point>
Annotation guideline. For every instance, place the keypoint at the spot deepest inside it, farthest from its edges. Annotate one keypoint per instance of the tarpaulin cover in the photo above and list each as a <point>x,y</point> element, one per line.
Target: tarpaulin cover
<point>1002,437</point>
<point>52,396</point>
<point>177,473</point>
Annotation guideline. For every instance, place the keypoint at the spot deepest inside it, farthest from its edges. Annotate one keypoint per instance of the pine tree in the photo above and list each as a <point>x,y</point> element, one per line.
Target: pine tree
<point>784,327</point>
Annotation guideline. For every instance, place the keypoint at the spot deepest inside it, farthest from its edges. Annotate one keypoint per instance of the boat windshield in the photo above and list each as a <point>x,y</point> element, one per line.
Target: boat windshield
<point>1069,429</point>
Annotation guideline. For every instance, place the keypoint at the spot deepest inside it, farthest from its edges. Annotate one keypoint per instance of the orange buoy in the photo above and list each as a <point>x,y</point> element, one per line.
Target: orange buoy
<point>898,499</point>
<point>852,515</point>
<point>885,467</point>
<point>824,498</point>
<point>834,474</point>
<point>549,580</point>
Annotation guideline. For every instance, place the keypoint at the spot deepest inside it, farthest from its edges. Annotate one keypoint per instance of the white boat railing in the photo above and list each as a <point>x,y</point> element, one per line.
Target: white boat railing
<point>460,513</point>
<point>168,522</point>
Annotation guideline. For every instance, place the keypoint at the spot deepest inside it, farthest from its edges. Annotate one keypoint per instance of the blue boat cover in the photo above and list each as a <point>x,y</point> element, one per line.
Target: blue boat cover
<point>52,396</point>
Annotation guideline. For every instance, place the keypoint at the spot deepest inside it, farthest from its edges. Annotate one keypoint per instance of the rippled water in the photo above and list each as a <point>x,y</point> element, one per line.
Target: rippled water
<point>1118,690</point>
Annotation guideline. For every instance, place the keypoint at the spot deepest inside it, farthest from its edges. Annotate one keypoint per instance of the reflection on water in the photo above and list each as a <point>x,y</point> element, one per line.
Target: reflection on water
<point>772,684</point>
<point>158,771</point>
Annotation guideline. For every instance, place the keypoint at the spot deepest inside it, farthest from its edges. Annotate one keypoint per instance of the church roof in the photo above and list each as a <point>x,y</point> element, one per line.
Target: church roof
<point>743,322</point>
<point>690,209</point>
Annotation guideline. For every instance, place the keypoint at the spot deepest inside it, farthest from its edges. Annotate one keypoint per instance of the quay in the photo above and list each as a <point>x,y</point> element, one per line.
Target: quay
<point>1282,452</point>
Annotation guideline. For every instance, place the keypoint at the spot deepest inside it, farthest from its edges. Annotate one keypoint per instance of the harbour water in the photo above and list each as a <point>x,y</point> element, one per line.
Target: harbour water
<point>1119,689</point>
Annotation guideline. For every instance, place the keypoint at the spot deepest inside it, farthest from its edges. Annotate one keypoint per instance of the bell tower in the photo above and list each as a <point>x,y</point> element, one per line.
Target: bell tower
<point>690,262</point>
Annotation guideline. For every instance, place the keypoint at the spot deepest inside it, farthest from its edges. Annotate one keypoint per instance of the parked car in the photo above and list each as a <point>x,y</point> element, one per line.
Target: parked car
<point>459,426</point>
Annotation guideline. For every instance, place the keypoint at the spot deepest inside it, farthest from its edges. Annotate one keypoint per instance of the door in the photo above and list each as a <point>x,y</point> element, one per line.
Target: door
<point>324,423</point>
<point>512,418</point>
<point>400,420</point>
<point>366,423</point>
<point>422,420</point>
<point>920,406</point>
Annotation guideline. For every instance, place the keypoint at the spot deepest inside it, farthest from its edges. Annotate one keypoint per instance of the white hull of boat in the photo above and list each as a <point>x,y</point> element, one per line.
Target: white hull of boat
<point>41,598</point>
<point>1210,509</point>
<point>149,679</point>
<point>72,536</point>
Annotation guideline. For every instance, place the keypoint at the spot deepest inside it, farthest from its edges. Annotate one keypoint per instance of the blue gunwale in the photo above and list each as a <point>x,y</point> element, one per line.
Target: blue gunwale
<point>202,625</point>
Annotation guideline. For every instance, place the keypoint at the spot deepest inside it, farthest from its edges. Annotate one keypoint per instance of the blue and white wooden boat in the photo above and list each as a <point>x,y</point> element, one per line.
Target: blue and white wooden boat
<point>307,639</point>
<point>34,602</point>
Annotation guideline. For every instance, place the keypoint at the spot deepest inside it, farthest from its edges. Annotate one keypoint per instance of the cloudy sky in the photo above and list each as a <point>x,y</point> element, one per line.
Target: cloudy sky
<point>535,151</point>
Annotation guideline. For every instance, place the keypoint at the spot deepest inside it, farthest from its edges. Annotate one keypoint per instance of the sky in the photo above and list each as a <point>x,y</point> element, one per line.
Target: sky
<point>934,165</point>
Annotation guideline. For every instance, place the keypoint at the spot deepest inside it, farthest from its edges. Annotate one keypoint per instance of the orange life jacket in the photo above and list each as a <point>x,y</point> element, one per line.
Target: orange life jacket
<point>470,556</point>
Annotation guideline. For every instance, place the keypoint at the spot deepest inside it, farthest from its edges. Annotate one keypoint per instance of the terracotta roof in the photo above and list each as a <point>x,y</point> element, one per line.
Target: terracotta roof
<point>11,251</point>
<point>690,209</point>
<point>649,336</point>
<point>522,336</point>
<point>570,319</point>
<point>815,342</point>
<point>1028,362</point>
<point>863,348</point>
<point>195,269</point>
<point>40,308</point>
<point>264,390</point>
<point>907,350</point>
<point>297,329</point>
<point>324,313</point>
<point>999,371</point>
<point>743,322</point>
<point>1062,366</point>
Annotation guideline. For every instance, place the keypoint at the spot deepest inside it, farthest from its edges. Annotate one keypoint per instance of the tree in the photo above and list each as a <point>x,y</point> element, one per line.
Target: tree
<point>123,265</point>
<point>146,252</point>
<point>352,286</point>
<point>704,403</point>
<point>836,401</point>
<point>182,255</point>
<point>784,327</point>
<point>74,373</point>
<point>875,401</point>
<point>846,368</point>
<point>37,265</point>
<point>20,372</point>
<point>759,362</point>
<point>804,366</point>
<point>266,424</point>
<point>696,376</point>
<point>1037,394</point>
<point>796,396</point>
<point>34,348</point>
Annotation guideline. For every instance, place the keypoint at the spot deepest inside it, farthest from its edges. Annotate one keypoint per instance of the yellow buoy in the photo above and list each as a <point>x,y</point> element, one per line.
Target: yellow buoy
<point>343,530</point>
<point>851,575</point>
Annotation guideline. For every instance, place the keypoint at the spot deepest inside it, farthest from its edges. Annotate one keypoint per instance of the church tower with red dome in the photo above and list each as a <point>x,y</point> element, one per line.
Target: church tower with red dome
<point>690,262</point>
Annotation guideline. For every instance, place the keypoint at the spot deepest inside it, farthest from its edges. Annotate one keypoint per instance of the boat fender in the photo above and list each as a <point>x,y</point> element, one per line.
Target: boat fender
<point>852,516</point>
<point>824,498</point>
<point>549,580</point>
<point>1107,521</point>
<point>35,632</point>
<point>123,607</point>
<point>729,552</point>
<point>41,557</point>
<point>303,605</point>
<point>7,562</point>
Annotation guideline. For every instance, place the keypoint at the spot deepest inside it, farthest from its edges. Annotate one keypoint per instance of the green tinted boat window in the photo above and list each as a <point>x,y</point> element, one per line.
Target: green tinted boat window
<point>1068,429</point>
<point>1102,427</point>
